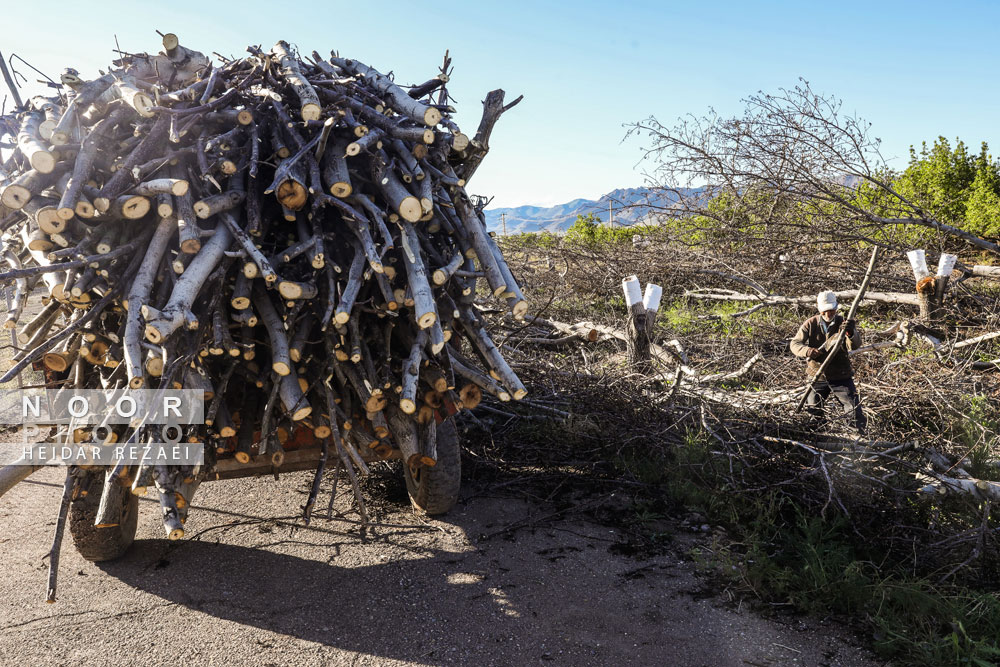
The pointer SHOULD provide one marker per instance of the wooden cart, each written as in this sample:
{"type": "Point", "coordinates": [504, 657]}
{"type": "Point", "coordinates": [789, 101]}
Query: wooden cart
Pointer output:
{"type": "Point", "coordinates": [432, 490]}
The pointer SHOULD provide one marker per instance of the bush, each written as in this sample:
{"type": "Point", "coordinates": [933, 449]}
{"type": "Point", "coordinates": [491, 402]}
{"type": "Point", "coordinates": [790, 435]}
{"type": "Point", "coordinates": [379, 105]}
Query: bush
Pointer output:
{"type": "Point", "coordinates": [530, 241]}
{"type": "Point", "coordinates": [590, 230]}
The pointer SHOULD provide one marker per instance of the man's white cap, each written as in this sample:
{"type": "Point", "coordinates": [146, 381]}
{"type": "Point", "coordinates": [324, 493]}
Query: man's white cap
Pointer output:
{"type": "Point", "coordinates": [826, 301]}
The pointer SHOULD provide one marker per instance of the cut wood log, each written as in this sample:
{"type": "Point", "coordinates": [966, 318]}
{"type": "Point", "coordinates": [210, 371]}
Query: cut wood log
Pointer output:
{"type": "Point", "coordinates": [483, 251]}
{"type": "Point", "coordinates": [403, 203]}
{"type": "Point", "coordinates": [293, 399]}
{"type": "Point", "coordinates": [51, 111]}
{"type": "Point", "coordinates": [129, 207]}
{"type": "Point", "coordinates": [310, 107]}
{"type": "Point", "coordinates": [138, 296]}
{"type": "Point", "coordinates": [31, 146]}
{"type": "Point", "coordinates": [350, 293]}
{"type": "Point", "coordinates": [336, 175]}
{"type": "Point", "coordinates": [216, 204]}
{"type": "Point", "coordinates": [100, 135]}
{"type": "Point", "coordinates": [261, 266]}
{"type": "Point", "coordinates": [187, 226]}
{"type": "Point", "coordinates": [397, 97]}
{"type": "Point", "coordinates": [411, 375]}
{"type": "Point", "coordinates": [128, 92]}
{"type": "Point", "coordinates": [281, 362]}
{"type": "Point", "coordinates": [157, 186]}
{"type": "Point", "coordinates": [18, 192]}
{"type": "Point", "coordinates": [161, 324]}
{"type": "Point", "coordinates": [425, 310]}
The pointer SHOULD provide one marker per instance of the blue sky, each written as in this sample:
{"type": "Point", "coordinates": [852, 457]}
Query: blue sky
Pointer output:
{"type": "Point", "coordinates": [914, 69]}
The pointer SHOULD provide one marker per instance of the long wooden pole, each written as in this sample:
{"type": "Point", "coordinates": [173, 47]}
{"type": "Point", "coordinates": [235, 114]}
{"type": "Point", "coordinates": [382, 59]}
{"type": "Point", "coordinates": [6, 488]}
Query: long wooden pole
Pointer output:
{"type": "Point", "coordinates": [840, 337]}
{"type": "Point", "coordinates": [58, 537]}
{"type": "Point", "coordinates": [10, 82]}
{"type": "Point", "coordinates": [10, 476]}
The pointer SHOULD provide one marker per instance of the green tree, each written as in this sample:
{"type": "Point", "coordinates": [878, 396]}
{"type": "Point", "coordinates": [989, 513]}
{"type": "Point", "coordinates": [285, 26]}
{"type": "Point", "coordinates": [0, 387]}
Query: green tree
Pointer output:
{"type": "Point", "coordinates": [584, 229]}
{"type": "Point", "coordinates": [590, 230]}
{"type": "Point", "coordinates": [938, 180]}
{"type": "Point", "coordinates": [954, 186]}
{"type": "Point", "coordinates": [982, 212]}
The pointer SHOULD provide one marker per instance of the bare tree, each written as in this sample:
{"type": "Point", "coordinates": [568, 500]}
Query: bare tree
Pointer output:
{"type": "Point", "coordinates": [793, 168]}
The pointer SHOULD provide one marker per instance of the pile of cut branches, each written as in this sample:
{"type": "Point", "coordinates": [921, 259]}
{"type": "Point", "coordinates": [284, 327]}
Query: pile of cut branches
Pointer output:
{"type": "Point", "coordinates": [291, 236]}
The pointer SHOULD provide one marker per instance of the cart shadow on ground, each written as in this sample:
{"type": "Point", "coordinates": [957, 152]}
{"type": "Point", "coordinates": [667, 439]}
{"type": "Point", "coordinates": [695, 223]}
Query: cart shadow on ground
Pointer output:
{"type": "Point", "coordinates": [350, 608]}
{"type": "Point", "coordinates": [412, 588]}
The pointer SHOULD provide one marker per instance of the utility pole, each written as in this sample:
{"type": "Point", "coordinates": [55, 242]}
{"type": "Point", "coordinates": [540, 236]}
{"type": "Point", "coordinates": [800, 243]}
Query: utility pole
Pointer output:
{"type": "Point", "coordinates": [503, 220]}
{"type": "Point", "coordinates": [611, 216]}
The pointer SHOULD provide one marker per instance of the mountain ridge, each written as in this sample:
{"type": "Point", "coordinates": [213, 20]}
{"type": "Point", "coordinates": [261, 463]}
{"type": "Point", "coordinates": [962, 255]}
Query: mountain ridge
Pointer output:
{"type": "Point", "coordinates": [629, 206]}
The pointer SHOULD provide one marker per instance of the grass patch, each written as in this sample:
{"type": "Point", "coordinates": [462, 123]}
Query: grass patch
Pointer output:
{"type": "Point", "coordinates": [778, 551]}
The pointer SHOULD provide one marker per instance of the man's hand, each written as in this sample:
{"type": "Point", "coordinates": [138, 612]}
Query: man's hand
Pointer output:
{"type": "Point", "coordinates": [814, 354]}
{"type": "Point", "coordinates": [850, 327]}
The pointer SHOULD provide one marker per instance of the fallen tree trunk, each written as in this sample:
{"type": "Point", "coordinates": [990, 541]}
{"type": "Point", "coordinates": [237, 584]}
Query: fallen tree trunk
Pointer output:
{"type": "Point", "coordinates": [807, 300]}
{"type": "Point", "coordinates": [986, 271]}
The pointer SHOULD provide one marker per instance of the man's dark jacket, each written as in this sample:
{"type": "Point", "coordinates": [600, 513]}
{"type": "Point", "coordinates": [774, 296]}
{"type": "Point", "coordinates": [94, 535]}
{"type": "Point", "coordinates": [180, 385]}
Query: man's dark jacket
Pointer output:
{"type": "Point", "coordinates": [812, 335]}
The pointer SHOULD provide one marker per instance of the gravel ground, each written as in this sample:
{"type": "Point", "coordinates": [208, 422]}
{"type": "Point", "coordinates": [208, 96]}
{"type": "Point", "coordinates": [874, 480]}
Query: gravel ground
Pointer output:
{"type": "Point", "coordinates": [244, 588]}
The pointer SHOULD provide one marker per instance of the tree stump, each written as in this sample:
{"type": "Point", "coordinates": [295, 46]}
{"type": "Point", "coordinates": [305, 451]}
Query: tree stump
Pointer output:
{"type": "Point", "coordinates": [637, 345]}
{"type": "Point", "coordinates": [931, 288]}
{"type": "Point", "coordinates": [637, 327]}
{"type": "Point", "coordinates": [651, 302]}
{"type": "Point", "coordinates": [928, 304]}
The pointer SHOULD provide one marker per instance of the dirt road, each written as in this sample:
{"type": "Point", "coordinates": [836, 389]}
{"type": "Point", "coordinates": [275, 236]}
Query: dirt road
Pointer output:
{"type": "Point", "coordinates": [246, 589]}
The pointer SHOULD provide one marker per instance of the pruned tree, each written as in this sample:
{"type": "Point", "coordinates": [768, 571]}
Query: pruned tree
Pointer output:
{"type": "Point", "coordinates": [794, 168]}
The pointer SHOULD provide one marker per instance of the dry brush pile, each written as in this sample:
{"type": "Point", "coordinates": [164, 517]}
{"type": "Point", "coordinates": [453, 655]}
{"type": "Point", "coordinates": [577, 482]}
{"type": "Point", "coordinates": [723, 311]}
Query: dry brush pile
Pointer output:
{"type": "Point", "coordinates": [722, 369]}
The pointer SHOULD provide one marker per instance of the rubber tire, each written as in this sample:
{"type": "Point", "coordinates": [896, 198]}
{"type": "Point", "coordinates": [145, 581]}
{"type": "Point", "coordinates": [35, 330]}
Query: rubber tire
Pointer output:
{"type": "Point", "coordinates": [101, 544]}
{"type": "Point", "coordinates": [435, 490]}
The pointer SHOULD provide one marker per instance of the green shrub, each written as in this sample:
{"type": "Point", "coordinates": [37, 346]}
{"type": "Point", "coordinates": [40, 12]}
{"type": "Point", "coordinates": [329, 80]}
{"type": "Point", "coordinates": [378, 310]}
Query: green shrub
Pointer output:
{"type": "Point", "coordinates": [590, 230]}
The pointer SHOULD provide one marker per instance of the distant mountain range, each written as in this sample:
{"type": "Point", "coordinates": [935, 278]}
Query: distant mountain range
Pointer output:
{"type": "Point", "coordinates": [629, 206]}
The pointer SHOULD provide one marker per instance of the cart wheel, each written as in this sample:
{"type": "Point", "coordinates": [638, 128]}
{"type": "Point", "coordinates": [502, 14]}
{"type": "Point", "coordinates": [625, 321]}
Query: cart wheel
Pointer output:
{"type": "Point", "coordinates": [435, 490]}
{"type": "Point", "coordinates": [99, 544]}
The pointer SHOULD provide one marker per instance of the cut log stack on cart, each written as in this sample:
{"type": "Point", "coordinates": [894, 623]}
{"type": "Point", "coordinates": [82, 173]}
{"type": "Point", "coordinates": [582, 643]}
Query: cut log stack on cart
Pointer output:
{"type": "Point", "coordinates": [290, 235]}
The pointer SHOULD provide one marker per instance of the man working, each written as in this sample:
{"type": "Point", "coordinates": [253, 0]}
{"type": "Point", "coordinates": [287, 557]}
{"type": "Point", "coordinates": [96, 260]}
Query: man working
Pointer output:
{"type": "Point", "coordinates": [813, 342]}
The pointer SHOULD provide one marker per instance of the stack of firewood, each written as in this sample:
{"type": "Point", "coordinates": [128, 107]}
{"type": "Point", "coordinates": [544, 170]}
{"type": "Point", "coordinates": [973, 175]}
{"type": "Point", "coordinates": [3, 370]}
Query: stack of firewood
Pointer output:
{"type": "Point", "coordinates": [291, 235]}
